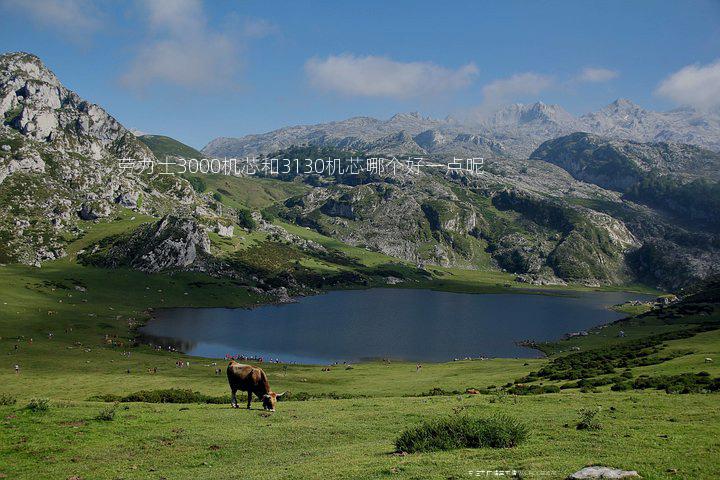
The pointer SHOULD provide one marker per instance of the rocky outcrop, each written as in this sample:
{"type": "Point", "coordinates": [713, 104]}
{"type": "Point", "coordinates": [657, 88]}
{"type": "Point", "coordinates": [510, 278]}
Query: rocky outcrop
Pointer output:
{"type": "Point", "coordinates": [620, 165]}
{"type": "Point", "coordinates": [60, 164]}
{"type": "Point", "coordinates": [173, 243]}
{"type": "Point", "coordinates": [599, 472]}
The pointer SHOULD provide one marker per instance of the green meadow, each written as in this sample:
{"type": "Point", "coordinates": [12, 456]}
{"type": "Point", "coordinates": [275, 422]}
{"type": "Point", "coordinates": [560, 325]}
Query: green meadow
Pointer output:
{"type": "Point", "coordinates": [340, 423]}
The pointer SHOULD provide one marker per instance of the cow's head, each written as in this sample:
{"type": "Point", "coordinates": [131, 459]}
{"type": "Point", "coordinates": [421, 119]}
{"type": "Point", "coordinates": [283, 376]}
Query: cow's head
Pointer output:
{"type": "Point", "coordinates": [269, 400]}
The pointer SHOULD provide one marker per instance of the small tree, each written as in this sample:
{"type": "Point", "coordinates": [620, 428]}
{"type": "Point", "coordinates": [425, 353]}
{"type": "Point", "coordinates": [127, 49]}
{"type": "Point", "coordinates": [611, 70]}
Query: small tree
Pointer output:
{"type": "Point", "coordinates": [245, 219]}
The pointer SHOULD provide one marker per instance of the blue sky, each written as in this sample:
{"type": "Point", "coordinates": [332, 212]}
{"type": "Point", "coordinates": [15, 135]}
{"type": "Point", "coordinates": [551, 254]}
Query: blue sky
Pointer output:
{"type": "Point", "coordinates": [195, 70]}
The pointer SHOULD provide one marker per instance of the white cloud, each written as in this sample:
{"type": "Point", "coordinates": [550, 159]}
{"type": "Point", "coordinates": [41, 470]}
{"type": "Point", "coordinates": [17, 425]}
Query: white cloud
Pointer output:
{"type": "Point", "coordinates": [591, 74]}
{"type": "Point", "coordinates": [259, 28]}
{"type": "Point", "coordinates": [695, 85]}
{"type": "Point", "coordinates": [74, 19]}
{"type": "Point", "coordinates": [182, 50]}
{"type": "Point", "coordinates": [521, 84]}
{"type": "Point", "coordinates": [372, 76]}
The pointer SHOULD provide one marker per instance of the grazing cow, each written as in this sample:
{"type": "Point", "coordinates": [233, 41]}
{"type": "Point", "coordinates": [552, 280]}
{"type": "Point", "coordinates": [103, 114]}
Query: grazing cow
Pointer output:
{"type": "Point", "coordinates": [251, 380]}
{"type": "Point", "coordinates": [708, 360]}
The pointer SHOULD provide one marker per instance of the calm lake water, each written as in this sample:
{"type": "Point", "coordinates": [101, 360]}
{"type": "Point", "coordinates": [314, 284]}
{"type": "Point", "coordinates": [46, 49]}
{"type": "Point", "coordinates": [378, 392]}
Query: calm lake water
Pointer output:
{"type": "Point", "coordinates": [415, 325]}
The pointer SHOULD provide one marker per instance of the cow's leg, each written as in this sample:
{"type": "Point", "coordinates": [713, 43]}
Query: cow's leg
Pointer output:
{"type": "Point", "coordinates": [233, 401]}
{"type": "Point", "coordinates": [249, 399]}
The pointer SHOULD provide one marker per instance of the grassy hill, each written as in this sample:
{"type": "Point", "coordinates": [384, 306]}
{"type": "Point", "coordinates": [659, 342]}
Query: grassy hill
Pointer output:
{"type": "Point", "coordinates": [163, 146]}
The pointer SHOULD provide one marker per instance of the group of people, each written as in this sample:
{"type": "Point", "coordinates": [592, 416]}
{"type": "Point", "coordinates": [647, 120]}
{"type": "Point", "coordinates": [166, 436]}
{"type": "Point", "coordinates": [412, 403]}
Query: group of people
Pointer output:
{"type": "Point", "coordinates": [252, 358]}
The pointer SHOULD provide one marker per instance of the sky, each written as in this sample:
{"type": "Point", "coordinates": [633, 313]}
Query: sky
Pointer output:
{"type": "Point", "coordinates": [197, 70]}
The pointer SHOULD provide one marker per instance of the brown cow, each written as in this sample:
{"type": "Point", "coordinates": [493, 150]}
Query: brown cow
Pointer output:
{"type": "Point", "coordinates": [251, 380]}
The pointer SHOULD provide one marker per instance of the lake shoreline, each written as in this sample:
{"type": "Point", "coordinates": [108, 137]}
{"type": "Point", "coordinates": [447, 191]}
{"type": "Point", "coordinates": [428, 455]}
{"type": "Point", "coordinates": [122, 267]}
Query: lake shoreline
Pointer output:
{"type": "Point", "coordinates": [550, 326]}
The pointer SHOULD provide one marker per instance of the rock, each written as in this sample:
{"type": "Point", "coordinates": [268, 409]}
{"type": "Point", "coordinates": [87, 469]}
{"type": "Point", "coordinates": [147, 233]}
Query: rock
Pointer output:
{"type": "Point", "coordinates": [225, 230]}
{"type": "Point", "coordinates": [30, 164]}
{"type": "Point", "coordinates": [603, 472]}
{"type": "Point", "coordinates": [129, 200]}
{"type": "Point", "coordinates": [93, 212]}
{"type": "Point", "coordinates": [173, 243]}
{"type": "Point", "coordinates": [6, 148]}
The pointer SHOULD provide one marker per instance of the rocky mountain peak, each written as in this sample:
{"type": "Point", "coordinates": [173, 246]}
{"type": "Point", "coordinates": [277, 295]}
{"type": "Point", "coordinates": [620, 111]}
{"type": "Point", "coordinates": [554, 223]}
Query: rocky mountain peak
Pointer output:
{"type": "Point", "coordinates": [519, 114]}
{"type": "Point", "coordinates": [34, 102]}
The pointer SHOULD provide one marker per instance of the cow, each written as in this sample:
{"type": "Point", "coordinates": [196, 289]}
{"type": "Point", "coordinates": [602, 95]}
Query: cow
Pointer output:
{"type": "Point", "coordinates": [251, 380]}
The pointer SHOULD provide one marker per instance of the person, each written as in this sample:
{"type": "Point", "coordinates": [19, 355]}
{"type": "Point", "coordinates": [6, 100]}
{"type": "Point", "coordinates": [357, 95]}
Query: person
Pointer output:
{"type": "Point", "coordinates": [17, 368]}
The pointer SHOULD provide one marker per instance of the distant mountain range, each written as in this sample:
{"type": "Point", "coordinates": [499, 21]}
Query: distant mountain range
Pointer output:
{"type": "Point", "coordinates": [581, 208]}
{"type": "Point", "coordinates": [512, 131]}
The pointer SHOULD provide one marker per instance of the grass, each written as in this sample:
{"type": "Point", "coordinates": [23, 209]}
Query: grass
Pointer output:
{"type": "Point", "coordinates": [349, 425]}
{"type": "Point", "coordinates": [355, 439]}
{"type": "Point", "coordinates": [462, 431]}
{"type": "Point", "coordinates": [254, 193]}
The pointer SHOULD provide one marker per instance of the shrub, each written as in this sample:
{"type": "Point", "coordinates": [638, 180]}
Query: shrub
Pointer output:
{"type": "Point", "coordinates": [197, 184]}
{"type": "Point", "coordinates": [588, 419]}
{"type": "Point", "coordinates": [533, 389]}
{"type": "Point", "coordinates": [172, 395]}
{"type": "Point", "coordinates": [245, 219]}
{"type": "Point", "coordinates": [462, 431]}
{"type": "Point", "coordinates": [38, 405]}
{"type": "Point", "coordinates": [621, 387]}
{"type": "Point", "coordinates": [107, 414]}
{"type": "Point", "coordinates": [682, 383]}
{"type": "Point", "coordinates": [7, 399]}
{"type": "Point", "coordinates": [268, 216]}
{"type": "Point", "coordinates": [439, 392]}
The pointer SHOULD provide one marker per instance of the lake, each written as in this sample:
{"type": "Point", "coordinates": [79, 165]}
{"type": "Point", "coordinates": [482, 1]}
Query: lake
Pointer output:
{"type": "Point", "coordinates": [414, 325]}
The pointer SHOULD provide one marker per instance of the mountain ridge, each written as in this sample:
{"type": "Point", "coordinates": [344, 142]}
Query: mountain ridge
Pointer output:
{"type": "Point", "coordinates": [516, 130]}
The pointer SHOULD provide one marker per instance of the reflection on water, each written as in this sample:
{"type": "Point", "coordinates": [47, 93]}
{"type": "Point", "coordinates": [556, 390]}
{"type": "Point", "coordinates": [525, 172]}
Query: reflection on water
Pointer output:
{"type": "Point", "coordinates": [417, 325]}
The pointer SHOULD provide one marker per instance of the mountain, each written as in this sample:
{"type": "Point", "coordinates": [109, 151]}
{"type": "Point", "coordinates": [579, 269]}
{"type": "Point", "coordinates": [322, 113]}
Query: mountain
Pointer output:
{"type": "Point", "coordinates": [513, 131]}
{"type": "Point", "coordinates": [623, 119]}
{"type": "Point", "coordinates": [60, 165]}
{"type": "Point", "coordinates": [674, 177]}
{"type": "Point", "coordinates": [569, 214]}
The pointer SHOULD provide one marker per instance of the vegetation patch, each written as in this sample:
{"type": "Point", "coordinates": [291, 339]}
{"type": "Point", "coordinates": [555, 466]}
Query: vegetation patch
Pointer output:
{"type": "Point", "coordinates": [588, 419]}
{"type": "Point", "coordinates": [107, 414]}
{"type": "Point", "coordinates": [461, 431]}
{"type": "Point", "coordinates": [603, 361]}
{"type": "Point", "coordinates": [683, 383]}
{"type": "Point", "coordinates": [38, 405]}
{"type": "Point", "coordinates": [171, 395]}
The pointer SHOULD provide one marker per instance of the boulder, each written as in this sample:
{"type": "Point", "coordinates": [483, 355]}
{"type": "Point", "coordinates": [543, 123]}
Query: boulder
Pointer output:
{"type": "Point", "coordinates": [129, 200]}
{"type": "Point", "coordinates": [225, 230]}
{"type": "Point", "coordinates": [603, 472]}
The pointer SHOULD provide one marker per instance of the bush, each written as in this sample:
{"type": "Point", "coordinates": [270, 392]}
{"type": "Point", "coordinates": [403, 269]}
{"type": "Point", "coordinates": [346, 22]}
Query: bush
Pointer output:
{"type": "Point", "coordinates": [7, 399]}
{"type": "Point", "coordinates": [439, 392]}
{"type": "Point", "coordinates": [462, 432]}
{"type": "Point", "coordinates": [197, 184]}
{"type": "Point", "coordinates": [588, 419]}
{"type": "Point", "coordinates": [533, 389]}
{"type": "Point", "coordinates": [172, 395]}
{"type": "Point", "coordinates": [621, 387]}
{"type": "Point", "coordinates": [38, 405]}
{"type": "Point", "coordinates": [682, 383]}
{"type": "Point", "coordinates": [245, 219]}
{"type": "Point", "coordinates": [268, 216]}
{"type": "Point", "coordinates": [107, 414]}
